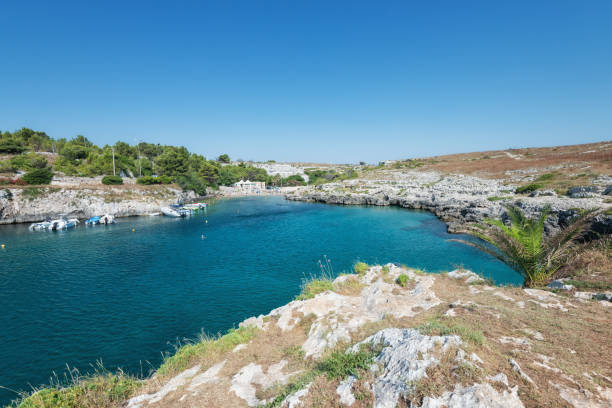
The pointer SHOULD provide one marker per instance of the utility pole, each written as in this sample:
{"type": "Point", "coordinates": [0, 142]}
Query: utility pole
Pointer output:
{"type": "Point", "coordinates": [113, 150]}
{"type": "Point", "coordinates": [139, 162]}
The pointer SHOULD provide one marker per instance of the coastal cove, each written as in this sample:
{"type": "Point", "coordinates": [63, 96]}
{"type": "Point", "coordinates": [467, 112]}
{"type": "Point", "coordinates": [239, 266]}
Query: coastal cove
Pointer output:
{"type": "Point", "coordinates": [126, 293]}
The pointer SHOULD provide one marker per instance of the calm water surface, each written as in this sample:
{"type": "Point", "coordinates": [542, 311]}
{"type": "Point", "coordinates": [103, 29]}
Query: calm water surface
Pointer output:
{"type": "Point", "coordinates": [123, 297]}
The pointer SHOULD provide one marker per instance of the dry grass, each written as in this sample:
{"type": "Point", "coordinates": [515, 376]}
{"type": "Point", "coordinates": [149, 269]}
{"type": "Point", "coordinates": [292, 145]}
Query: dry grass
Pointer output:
{"type": "Point", "coordinates": [100, 390]}
{"type": "Point", "coordinates": [591, 268]}
{"type": "Point", "coordinates": [589, 159]}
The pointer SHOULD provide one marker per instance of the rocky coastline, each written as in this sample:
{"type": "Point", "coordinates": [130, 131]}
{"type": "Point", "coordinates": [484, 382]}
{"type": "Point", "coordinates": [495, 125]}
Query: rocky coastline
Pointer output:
{"type": "Point", "coordinates": [457, 200]}
{"type": "Point", "coordinates": [33, 204]}
{"type": "Point", "coordinates": [437, 340]}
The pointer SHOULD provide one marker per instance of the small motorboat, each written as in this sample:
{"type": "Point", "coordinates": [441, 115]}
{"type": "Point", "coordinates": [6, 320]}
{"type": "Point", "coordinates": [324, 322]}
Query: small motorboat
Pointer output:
{"type": "Point", "coordinates": [40, 226]}
{"type": "Point", "coordinates": [62, 224]}
{"type": "Point", "coordinates": [107, 219]}
{"type": "Point", "coordinates": [93, 221]}
{"type": "Point", "coordinates": [171, 212]}
{"type": "Point", "coordinates": [195, 206]}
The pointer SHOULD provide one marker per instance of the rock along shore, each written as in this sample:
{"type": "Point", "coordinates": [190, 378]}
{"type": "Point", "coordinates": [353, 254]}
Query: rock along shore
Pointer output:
{"type": "Point", "coordinates": [32, 204]}
{"type": "Point", "coordinates": [455, 199]}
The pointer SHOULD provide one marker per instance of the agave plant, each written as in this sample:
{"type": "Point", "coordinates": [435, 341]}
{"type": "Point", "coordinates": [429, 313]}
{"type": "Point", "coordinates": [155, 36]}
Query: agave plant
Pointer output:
{"type": "Point", "coordinates": [523, 246]}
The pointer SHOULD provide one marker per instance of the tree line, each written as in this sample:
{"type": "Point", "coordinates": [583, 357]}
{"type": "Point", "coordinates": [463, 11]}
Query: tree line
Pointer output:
{"type": "Point", "coordinates": [154, 163]}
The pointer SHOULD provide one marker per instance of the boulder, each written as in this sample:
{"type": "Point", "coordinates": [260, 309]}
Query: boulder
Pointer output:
{"type": "Point", "coordinates": [543, 193]}
{"type": "Point", "coordinates": [583, 192]}
{"type": "Point", "coordinates": [560, 284]}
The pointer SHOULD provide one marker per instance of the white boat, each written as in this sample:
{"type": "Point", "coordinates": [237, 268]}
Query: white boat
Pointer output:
{"type": "Point", "coordinates": [62, 224]}
{"type": "Point", "coordinates": [40, 226]}
{"type": "Point", "coordinates": [195, 206]}
{"type": "Point", "coordinates": [171, 212]}
{"type": "Point", "coordinates": [107, 219]}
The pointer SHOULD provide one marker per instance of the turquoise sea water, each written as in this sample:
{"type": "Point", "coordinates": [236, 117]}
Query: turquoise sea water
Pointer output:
{"type": "Point", "coordinates": [123, 297]}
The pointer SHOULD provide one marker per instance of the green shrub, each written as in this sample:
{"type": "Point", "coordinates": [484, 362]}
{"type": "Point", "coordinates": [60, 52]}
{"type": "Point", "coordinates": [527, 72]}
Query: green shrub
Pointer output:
{"type": "Point", "coordinates": [6, 166]}
{"type": "Point", "coordinates": [112, 180]}
{"type": "Point", "coordinates": [192, 182]}
{"type": "Point", "coordinates": [545, 177]}
{"type": "Point", "coordinates": [528, 188]}
{"type": "Point", "coordinates": [498, 198]}
{"type": "Point", "coordinates": [38, 176]}
{"type": "Point", "coordinates": [315, 286]}
{"type": "Point", "coordinates": [10, 146]}
{"type": "Point", "coordinates": [29, 161]}
{"type": "Point", "coordinates": [360, 268]}
{"type": "Point", "coordinates": [149, 180]}
{"type": "Point", "coordinates": [403, 280]}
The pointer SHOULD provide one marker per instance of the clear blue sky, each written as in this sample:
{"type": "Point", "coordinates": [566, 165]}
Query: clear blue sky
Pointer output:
{"type": "Point", "coordinates": [327, 81]}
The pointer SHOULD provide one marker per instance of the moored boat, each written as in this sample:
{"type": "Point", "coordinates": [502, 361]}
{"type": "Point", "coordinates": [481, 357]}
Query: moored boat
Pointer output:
{"type": "Point", "coordinates": [171, 212]}
{"type": "Point", "coordinates": [107, 219]}
{"type": "Point", "coordinates": [93, 221]}
{"type": "Point", "coordinates": [62, 224]}
{"type": "Point", "coordinates": [40, 226]}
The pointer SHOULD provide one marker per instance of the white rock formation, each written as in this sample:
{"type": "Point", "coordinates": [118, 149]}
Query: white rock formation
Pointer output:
{"type": "Point", "coordinates": [406, 355]}
{"type": "Point", "coordinates": [245, 381]}
{"type": "Point", "coordinates": [172, 385]}
{"type": "Point", "coordinates": [475, 396]}
{"type": "Point", "coordinates": [336, 316]}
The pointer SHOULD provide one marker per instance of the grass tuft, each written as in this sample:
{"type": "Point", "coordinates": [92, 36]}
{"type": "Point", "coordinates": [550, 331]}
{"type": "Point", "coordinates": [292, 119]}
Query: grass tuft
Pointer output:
{"type": "Point", "coordinates": [439, 328]}
{"type": "Point", "coordinates": [341, 365]}
{"type": "Point", "coordinates": [361, 267]}
{"type": "Point", "coordinates": [312, 287]}
{"type": "Point", "coordinates": [206, 347]}
{"type": "Point", "coordinates": [499, 198]}
{"type": "Point", "coordinates": [101, 390]}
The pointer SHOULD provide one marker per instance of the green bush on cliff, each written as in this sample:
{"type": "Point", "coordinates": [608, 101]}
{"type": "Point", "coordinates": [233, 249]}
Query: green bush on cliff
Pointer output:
{"type": "Point", "coordinates": [528, 188]}
{"type": "Point", "coordinates": [403, 280]}
{"type": "Point", "coordinates": [149, 180]}
{"type": "Point", "coordinates": [29, 161]}
{"type": "Point", "coordinates": [360, 268]}
{"type": "Point", "coordinates": [38, 176]}
{"type": "Point", "coordinates": [112, 180]}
